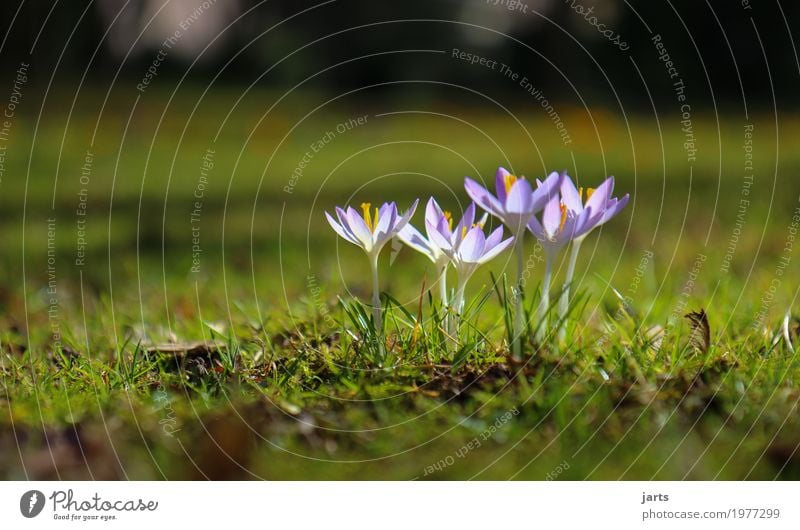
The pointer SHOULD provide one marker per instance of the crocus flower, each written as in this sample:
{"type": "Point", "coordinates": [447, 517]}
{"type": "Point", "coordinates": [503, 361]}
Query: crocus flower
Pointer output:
{"type": "Point", "coordinates": [467, 247]}
{"type": "Point", "coordinates": [599, 200]}
{"type": "Point", "coordinates": [515, 200]}
{"type": "Point", "coordinates": [603, 207]}
{"type": "Point", "coordinates": [434, 217]}
{"type": "Point", "coordinates": [558, 227]}
{"type": "Point", "coordinates": [414, 239]}
{"type": "Point", "coordinates": [371, 232]}
{"type": "Point", "coordinates": [515, 203]}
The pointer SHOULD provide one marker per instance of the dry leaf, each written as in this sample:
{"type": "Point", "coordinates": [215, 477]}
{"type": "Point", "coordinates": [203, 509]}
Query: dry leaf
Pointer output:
{"type": "Point", "coordinates": [700, 336]}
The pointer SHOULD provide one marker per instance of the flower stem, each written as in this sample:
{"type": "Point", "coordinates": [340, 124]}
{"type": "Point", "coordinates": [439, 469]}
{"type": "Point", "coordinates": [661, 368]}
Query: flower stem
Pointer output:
{"type": "Point", "coordinates": [458, 303]}
{"type": "Point", "coordinates": [376, 296]}
{"type": "Point", "coordinates": [545, 301]}
{"type": "Point", "coordinates": [443, 285]}
{"type": "Point", "coordinates": [443, 295]}
{"type": "Point", "coordinates": [519, 318]}
{"type": "Point", "coordinates": [458, 309]}
{"type": "Point", "coordinates": [564, 303]}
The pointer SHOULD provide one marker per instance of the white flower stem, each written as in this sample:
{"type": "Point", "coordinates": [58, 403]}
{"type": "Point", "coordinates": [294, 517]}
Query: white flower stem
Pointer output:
{"type": "Point", "coordinates": [443, 285]}
{"type": "Point", "coordinates": [443, 295]}
{"type": "Point", "coordinates": [564, 302]}
{"type": "Point", "coordinates": [519, 318]}
{"type": "Point", "coordinates": [458, 303]}
{"type": "Point", "coordinates": [376, 295]}
{"type": "Point", "coordinates": [458, 309]}
{"type": "Point", "coordinates": [545, 301]}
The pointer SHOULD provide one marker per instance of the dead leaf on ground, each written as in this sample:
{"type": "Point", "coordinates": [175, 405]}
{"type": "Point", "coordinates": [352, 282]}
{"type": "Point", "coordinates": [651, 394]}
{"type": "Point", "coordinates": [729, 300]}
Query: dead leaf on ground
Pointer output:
{"type": "Point", "coordinates": [700, 336]}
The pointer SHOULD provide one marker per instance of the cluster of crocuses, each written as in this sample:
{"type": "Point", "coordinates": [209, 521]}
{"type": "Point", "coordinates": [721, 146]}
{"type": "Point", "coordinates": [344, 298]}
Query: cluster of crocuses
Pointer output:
{"type": "Point", "coordinates": [555, 211]}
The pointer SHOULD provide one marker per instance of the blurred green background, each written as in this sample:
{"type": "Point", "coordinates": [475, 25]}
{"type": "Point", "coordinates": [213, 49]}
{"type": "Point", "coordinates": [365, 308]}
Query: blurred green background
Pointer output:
{"type": "Point", "coordinates": [259, 242]}
{"type": "Point", "coordinates": [259, 84]}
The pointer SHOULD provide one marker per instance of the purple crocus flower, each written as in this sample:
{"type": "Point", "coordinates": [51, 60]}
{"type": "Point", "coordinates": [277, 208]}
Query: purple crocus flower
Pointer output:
{"type": "Point", "coordinates": [515, 203]}
{"type": "Point", "coordinates": [515, 200]}
{"type": "Point", "coordinates": [414, 238]}
{"type": "Point", "coordinates": [371, 233]}
{"type": "Point", "coordinates": [599, 200]}
{"type": "Point", "coordinates": [466, 246]}
{"type": "Point", "coordinates": [368, 231]}
{"type": "Point", "coordinates": [603, 208]}
{"type": "Point", "coordinates": [559, 225]}
{"type": "Point", "coordinates": [434, 217]}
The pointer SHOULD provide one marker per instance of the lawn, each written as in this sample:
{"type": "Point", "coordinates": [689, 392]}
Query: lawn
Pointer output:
{"type": "Point", "coordinates": [173, 301]}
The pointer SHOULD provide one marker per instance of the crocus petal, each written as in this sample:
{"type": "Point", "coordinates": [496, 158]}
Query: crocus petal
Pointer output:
{"type": "Point", "coordinates": [443, 227]}
{"type": "Point", "coordinates": [340, 230]}
{"type": "Point", "coordinates": [387, 216]}
{"type": "Point", "coordinates": [414, 239]}
{"type": "Point", "coordinates": [568, 230]}
{"type": "Point", "coordinates": [467, 220]}
{"type": "Point", "coordinates": [345, 224]}
{"type": "Point", "coordinates": [433, 212]}
{"type": "Point", "coordinates": [597, 202]}
{"type": "Point", "coordinates": [551, 218]}
{"type": "Point", "coordinates": [494, 251]}
{"type": "Point", "coordinates": [494, 238]}
{"type": "Point", "coordinates": [585, 222]}
{"type": "Point", "coordinates": [471, 248]}
{"type": "Point", "coordinates": [536, 228]}
{"type": "Point", "coordinates": [342, 215]}
{"type": "Point", "coordinates": [614, 208]}
{"type": "Point", "coordinates": [570, 195]}
{"type": "Point", "coordinates": [403, 221]}
{"type": "Point", "coordinates": [500, 183]}
{"type": "Point", "coordinates": [359, 228]}
{"type": "Point", "coordinates": [485, 200]}
{"type": "Point", "coordinates": [520, 198]}
{"type": "Point", "coordinates": [436, 237]}
{"type": "Point", "coordinates": [549, 187]}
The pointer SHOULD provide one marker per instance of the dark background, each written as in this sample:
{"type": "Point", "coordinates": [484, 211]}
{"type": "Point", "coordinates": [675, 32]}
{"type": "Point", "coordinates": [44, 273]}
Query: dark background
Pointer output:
{"type": "Point", "coordinates": [723, 50]}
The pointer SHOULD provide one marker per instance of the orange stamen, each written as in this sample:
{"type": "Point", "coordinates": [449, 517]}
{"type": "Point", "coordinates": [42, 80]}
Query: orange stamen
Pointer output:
{"type": "Point", "coordinates": [509, 181]}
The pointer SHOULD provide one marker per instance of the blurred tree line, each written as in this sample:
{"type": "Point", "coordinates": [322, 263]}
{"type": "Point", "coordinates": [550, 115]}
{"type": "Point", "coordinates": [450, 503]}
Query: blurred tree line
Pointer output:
{"type": "Point", "coordinates": [722, 48]}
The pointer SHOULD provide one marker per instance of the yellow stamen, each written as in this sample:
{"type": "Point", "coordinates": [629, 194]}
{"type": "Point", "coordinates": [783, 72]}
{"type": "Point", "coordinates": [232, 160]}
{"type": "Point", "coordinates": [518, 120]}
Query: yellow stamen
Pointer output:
{"type": "Point", "coordinates": [589, 193]}
{"type": "Point", "coordinates": [365, 206]}
{"type": "Point", "coordinates": [463, 231]}
{"type": "Point", "coordinates": [580, 193]}
{"type": "Point", "coordinates": [509, 181]}
{"type": "Point", "coordinates": [563, 217]}
{"type": "Point", "coordinates": [449, 217]}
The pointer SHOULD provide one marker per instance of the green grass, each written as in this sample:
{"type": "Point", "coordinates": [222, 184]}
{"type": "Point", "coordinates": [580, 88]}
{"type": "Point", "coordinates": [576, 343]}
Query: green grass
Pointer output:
{"type": "Point", "coordinates": [279, 381]}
